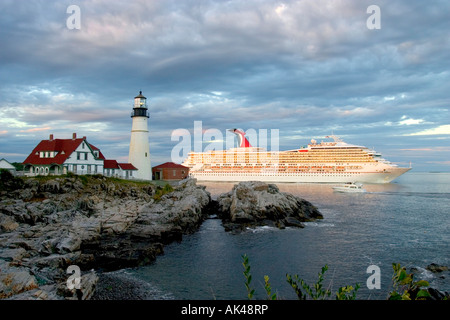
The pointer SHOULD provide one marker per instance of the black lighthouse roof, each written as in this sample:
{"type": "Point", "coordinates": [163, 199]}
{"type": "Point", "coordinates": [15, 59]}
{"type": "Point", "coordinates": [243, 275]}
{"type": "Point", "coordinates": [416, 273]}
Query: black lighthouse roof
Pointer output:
{"type": "Point", "coordinates": [140, 95]}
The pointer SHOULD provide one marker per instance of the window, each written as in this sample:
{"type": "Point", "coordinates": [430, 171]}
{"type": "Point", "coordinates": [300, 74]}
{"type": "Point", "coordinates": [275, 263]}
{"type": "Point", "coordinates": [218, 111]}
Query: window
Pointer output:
{"type": "Point", "coordinates": [78, 155]}
{"type": "Point", "coordinates": [174, 173]}
{"type": "Point", "coordinates": [85, 156]}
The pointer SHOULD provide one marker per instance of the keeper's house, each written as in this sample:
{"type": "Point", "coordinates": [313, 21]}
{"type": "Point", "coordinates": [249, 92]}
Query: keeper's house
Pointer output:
{"type": "Point", "coordinates": [76, 155]}
{"type": "Point", "coordinates": [170, 171]}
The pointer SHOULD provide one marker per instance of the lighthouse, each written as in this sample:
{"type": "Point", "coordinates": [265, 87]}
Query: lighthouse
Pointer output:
{"type": "Point", "coordinates": [139, 154]}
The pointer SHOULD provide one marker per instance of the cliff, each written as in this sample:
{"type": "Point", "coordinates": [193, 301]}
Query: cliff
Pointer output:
{"type": "Point", "coordinates": [94, 222]}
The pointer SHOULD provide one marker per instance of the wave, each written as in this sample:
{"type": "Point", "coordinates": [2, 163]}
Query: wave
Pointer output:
{"type": "Point", "coordinates": [423, 273]}
{"type": "Point", "coordinates": [439, 195]}
{"type": "Point", "coordinates": [261, 229]}
{"type": "Point", "coordinates": [319, 224]}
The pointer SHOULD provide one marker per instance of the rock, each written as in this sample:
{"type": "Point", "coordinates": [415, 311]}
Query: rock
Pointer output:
{"type": "Point", "coordinates": [436, 268]}
{"type": "Point", "coordinates": [88, 283]}
{"type": "Point", "coordinates": [12, 254]}
{"type": "Point", "coordinates": [7, 223]}
{"type": "Point", "coordinates": [51, 186]}
{"type": "Point", "coordinates": [253, 203]}
{"type": "Point", "coordinates": [63, 221]}
{"type": "Point", "coordinates": [69, 244]}
{"type": "Point", "coordinates": [15, 280]}
{"type": "Point", "coordinates": [48, 246]}
{"type": "Point", "coordinates": [46, 292]}
{"type": "Point", "coordinates": [438, 295]}
{"type": "Point", "coordinates": [144, 229]}
{"type": "Point", "coordinates": [293, 222]}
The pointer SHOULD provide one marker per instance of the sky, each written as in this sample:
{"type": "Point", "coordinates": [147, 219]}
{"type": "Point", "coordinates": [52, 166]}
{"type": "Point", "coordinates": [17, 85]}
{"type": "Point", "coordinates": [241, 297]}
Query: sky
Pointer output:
{"type": "Point", "coordinates": [307, 68]}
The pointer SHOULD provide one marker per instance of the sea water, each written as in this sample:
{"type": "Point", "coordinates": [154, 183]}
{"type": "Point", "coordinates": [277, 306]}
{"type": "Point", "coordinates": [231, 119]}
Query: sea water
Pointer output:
{"type": "Point", "coordinates": [406, 222]}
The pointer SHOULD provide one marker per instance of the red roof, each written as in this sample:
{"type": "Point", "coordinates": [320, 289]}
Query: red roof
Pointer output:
{"type": "Point", "coordinates": [63, 147]}
{"type": "Point", "coordinates": [113, 164]}
{"type": "Point", "coordinates": [127, 166]}
{"type": "Point", "coordinates": [170, 165]}
{"type": "Point", "coordinates": [110, 164]}
{"type": "Point", "coordinates": [100, 154]}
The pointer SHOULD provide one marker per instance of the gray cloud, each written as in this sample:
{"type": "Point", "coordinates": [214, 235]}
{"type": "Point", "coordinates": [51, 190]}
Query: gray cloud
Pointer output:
{"type": "Point", "coordinates": [304, 67]}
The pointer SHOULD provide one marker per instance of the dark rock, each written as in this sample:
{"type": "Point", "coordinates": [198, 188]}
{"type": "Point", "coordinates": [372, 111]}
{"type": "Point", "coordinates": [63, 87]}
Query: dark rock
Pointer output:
{"type": "Point", "coordinates": [433, 267]}
{"type": "Point", "coordinates": [436, 294]}
{"type": "Point", "coordinates": [254, 203]}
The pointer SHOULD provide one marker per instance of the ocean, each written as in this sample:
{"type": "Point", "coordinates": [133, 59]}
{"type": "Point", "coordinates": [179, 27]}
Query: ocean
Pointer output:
{"type": "Point", "coordinates": [406, 221]}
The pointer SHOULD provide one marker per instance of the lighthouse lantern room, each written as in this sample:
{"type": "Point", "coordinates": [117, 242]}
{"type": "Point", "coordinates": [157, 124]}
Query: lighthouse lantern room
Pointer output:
{"type": "Point", "coordinates": [140, 106]}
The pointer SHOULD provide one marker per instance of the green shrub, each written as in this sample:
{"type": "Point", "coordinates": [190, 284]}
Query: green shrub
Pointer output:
{"type": "Point", "coordinates": [405, 288]}
{"type": "Point", "coordinates": [301, 288]}
{"type": "Point", "coordinates": [8, 182]}
{"type": "Point", "coordinates": [162, 191]}
{"type": "Point", "coordinates": [317, 294]}
{"type": "Point", "coordinates": [248, 277]}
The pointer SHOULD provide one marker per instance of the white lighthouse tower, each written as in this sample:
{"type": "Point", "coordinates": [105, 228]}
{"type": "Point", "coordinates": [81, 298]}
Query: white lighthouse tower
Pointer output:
{"type": "Point", "coordinates": [139, 155]}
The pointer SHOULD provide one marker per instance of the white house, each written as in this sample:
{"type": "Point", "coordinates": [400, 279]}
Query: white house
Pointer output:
{"type": "Point", "coordinates": [4, 164]}
{"type": "Point", "coordinates": [59, 156]}
{"type": "Point", "coordinates": [112, 168]}
{"type": "Point", "coordinates": [76, 155]}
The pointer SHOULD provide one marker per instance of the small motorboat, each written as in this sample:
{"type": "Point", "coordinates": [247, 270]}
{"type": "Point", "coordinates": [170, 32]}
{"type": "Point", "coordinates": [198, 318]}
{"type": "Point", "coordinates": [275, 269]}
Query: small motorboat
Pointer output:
{"type": "Point", "coordinates": [349, 187]}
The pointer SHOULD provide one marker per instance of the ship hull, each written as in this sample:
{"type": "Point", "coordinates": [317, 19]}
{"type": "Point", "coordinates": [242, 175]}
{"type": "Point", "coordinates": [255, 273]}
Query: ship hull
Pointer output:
{"type": "Point", "coordinates": [304, 177]}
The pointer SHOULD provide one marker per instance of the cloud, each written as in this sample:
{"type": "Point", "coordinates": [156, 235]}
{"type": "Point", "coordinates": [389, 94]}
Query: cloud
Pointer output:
{"type": "Point", "coordinates": [441, 130]}
{"type": "Point", "coordinates": [409, 122]}
{"type": "Point", "coordinates": [292, 65]}
{"type": "Point", "coordinates": [36, 129]}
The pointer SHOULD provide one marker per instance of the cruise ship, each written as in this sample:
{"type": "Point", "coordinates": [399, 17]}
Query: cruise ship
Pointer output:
{"type": "Point", "coordinates": [326, 162]}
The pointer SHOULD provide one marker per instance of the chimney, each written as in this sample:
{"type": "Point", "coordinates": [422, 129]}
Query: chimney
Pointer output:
{"type": "Point", "coordinates": [74, 136]}
{"type": "Point", "coordinates": [51, 137]}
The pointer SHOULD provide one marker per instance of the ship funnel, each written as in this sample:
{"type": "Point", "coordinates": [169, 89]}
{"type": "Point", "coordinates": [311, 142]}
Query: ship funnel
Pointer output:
{"type": "Point", "coordinates": [243, 142]}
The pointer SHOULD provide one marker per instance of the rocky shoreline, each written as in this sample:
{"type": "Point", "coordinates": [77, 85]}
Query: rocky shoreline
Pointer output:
{"type": "Point", "coordinates": [101, 224]}
{"type": "Point", "coordinates": [117, 285]}
{"type": "Point", "coordinates": [104, 225]}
